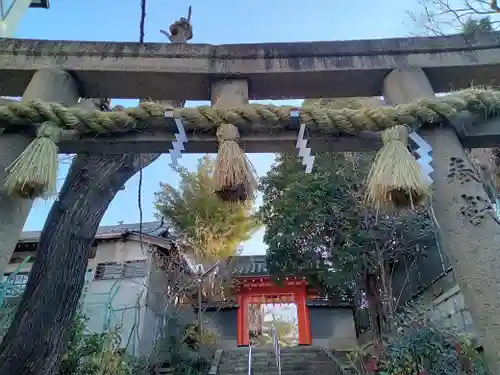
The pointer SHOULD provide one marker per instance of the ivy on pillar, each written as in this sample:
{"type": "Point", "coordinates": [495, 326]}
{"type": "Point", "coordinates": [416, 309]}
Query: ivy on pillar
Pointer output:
{"type": "Point", "coordinates": [48, 85]}
{"type": "Point", "coordinates": [469, 229]}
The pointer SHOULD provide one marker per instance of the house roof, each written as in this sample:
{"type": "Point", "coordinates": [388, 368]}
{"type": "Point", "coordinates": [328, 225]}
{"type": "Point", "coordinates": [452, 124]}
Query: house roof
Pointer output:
{"type": "Point", "coordinates": [153, 232]}
{"type": "Point", "coordinates": [250, 265]}
{"type": "Point", "coordinates": [152, 228]}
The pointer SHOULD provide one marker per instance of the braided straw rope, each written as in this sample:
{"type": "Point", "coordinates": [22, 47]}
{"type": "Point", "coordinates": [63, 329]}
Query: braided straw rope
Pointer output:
{"type": "Point", "coordinates": [395, 178]}
{"type": "Point", "coordinates": [28, 177]}
{"type": "Point", "coordinates": [34, 173]}
{"type": "Point", "coordinates": [234, 174]}
{"type": "Point", "coordinates": [327, 121]}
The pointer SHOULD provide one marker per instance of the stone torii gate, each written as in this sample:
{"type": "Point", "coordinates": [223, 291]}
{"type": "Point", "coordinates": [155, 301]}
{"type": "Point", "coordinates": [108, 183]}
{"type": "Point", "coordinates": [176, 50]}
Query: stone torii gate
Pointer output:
{"type": "Point", "coordinates": [402, 70]}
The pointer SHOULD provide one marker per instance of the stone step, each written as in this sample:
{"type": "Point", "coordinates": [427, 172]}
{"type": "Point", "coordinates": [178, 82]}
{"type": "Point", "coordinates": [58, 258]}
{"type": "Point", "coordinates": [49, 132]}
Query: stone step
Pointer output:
{"type": "Point", "coordinates": [298, 367]}
{"type": "Point", "coordinates": [268, 349]}
{"type": "Point", "coordinates": [269, 354]}
{"type": "Point", "coordinates": [272, 362]}
{"type": "Point", "coordinates": [285, 349]}
{"type": "Point", "coordinates": [273, 359]}
{"type": "Point", "coordinates": [332, 371]}
{"type": "Point", "coordinates": [298, 358]}
{"type": "Point", "coordinates": [284, 364]}
{"type": "Point", "coordinates": [294, 361]}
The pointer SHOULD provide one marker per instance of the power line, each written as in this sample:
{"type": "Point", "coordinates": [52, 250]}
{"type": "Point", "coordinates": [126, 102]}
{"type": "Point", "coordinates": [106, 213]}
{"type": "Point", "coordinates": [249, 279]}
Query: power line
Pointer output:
{"type": "Point", "coordinates": [143, 21]}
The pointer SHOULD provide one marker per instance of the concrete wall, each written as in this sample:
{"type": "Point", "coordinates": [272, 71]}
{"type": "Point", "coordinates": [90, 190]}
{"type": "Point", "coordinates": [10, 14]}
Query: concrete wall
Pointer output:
{"type": "Point", "coordinates": [450, 310]}
{"type": "Point", "coordinates": [123, 311]}
{"type": "Point", "coordinates": [446, 304]}
{"type": "Point", "coordinates": [224, 322]}
{"type": "Point", "coordinates": [119, 303]}
{"type": "Point", "coordinates": [14, 266]}
{"type": "Point", "coordinates": [156, 299]}
{"type": "Point", "coordinates": [332, 327]}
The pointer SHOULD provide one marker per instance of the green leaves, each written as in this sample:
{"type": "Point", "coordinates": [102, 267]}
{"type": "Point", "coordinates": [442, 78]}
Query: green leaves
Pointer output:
{"type": "Point", "coordinates": [308, 217]}
{"type": "Point", "coordinates": [213, 228]}
{"type": "Point", "coordinates": [94, 353]}
{"type": "Point", "coordinates": [317, 225]}
{"type": "Point", "coordinates": [430, 348]}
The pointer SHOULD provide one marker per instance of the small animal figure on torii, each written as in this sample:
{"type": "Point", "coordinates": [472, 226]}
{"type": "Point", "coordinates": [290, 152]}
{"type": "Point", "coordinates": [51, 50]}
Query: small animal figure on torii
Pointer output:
{"type": "Point", "coordinates": [181, 30]}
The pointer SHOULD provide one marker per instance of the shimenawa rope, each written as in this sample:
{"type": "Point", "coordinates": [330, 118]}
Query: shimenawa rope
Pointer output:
{"type": "Point", "coordinates": [328, 121]}
{"type": "Point", "coordinates": [484, 102]}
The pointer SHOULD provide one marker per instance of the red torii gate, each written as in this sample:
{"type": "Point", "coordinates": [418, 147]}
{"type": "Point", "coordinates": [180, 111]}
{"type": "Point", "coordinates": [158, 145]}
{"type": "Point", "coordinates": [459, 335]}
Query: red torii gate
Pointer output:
{"type": "Point", "coordinates": [254, 285]}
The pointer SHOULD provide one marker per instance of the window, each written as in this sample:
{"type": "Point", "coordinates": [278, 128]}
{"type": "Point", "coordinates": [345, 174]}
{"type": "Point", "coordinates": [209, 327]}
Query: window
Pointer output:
{"type": "Point", "coordinates": [115, 270]}
{"type": "Point", "coordinates": [108, 271]}
{"type": "Point", "coordinates": [14, 284]}
{"type": "Point", "coordinates": [135, 268]}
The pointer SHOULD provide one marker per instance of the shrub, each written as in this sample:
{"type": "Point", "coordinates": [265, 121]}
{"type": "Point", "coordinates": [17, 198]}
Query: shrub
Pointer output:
{"type": "Point", "coordinates": [96, 353]}
{"type": "Point", "coordinates": [183, 347]}
{"type": "Point", "coordinates": [425, 347]}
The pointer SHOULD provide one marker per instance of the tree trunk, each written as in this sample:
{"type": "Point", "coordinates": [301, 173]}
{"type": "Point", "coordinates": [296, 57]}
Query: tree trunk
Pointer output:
{"type": "Point", "coordinates": [36, 339]}
{"type": "Point", "coordinates": [373, 299]}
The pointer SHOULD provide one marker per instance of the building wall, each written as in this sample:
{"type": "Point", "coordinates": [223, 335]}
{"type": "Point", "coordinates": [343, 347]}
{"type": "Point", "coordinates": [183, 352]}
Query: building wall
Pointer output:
{"type": "Point", "coordinates": [166, 283]}
{"type": "Point", "coordinates": [445, 304]}
{"type": "Point", "coordinates": [450, 310]}
{"type": "Point", "coordinates": [117, 303]}
{"type": "Point", "coordinates": [332, 327]}
{"type": "Point", "coordinates": [156, 299]}
{"type": "Point", "coordinates": [113, 303]}
{"type": "Point", "coordinates": [224, 322]}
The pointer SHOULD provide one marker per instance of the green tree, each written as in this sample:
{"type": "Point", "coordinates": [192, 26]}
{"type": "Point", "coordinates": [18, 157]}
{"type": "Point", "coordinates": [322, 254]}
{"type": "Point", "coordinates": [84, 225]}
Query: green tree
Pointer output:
{"type": "Point", "coordinates": [474, 26]}
{"type": "Point", "coordinates": [309, 216]}
{"type": "Point", "coordinates": [317, 226]}
{"type": "Point", "coordinates": [286, 330]}
{"type": "Point", "coordinates": [213, 228]}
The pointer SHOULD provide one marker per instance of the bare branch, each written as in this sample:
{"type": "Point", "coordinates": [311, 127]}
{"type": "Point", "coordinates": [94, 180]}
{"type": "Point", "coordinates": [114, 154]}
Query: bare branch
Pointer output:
{"type": "Point", "coordinates": [438, 17]}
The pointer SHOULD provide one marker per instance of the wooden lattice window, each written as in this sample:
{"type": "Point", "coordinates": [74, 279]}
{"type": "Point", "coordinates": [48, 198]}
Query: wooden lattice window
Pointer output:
{"type": "Point", "coordinates": [135, 268]}
{"type": "Point", "coordinates": [116, 270]}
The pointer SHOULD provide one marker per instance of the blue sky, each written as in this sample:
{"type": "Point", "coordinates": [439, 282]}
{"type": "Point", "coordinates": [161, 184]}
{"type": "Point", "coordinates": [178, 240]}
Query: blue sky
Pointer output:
{"type": "Point", "coordinates": [216, 22]}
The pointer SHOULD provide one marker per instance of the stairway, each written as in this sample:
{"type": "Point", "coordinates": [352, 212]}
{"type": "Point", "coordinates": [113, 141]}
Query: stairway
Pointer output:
{"type": "Point", "coordinates": [302, 360]}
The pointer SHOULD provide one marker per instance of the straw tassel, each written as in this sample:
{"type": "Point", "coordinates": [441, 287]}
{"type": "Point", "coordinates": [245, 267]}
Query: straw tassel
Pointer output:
{"type": "Point", "coordinates": [396, 178]}
{"type": "Point", "coordinates": [233, 173]}
{"type": "Point", "coordinates": [34, 173]}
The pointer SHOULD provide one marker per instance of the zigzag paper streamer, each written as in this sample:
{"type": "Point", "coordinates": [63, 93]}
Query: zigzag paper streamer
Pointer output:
{"type": "Point", "coordinates": [180, 139]}
{"type": "Point", "coordinates": [304, 151]}
{"type": "Point", "coordinates": [424, 153]}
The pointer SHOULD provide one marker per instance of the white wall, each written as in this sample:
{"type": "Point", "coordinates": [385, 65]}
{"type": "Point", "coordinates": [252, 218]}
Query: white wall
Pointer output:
{"type": "Point", "coordinates": [111, 303]}
{"type": "Point", "coordinates": [120, 303]}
